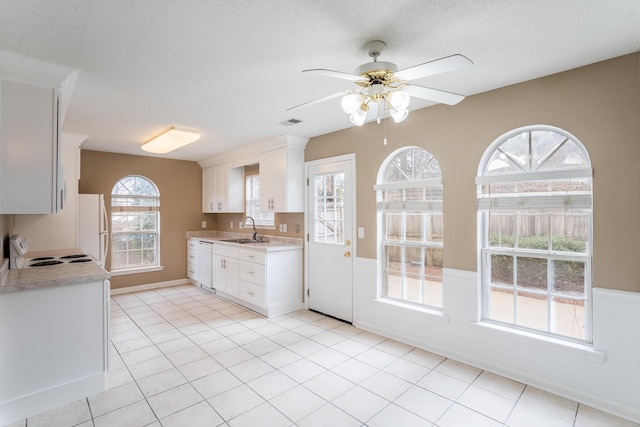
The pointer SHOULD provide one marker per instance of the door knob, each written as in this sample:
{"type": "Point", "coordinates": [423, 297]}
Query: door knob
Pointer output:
{"type": "Point", "coordinates": [347, 242]}
{"type": "Point", "coordinates": [347, 254]}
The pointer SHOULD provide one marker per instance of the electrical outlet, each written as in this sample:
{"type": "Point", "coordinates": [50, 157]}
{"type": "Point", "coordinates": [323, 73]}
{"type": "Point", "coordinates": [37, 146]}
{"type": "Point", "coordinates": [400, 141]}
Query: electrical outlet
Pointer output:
{"type": "Point", "coordinates": [284, 228]}
{"type": "Point", "coordinates": [297, 228]}
{"type": "Point", "coordinates": [280, 228]}
{"type": "Point", "coordinates": [231, 224]}
{"type": "Point", "coordinates": [204, 224]}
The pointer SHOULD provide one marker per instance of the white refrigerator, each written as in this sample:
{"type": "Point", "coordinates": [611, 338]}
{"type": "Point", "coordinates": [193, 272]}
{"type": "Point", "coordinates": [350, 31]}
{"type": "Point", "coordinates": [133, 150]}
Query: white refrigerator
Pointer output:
{"type": "Point", "coordinates": [93, 226]}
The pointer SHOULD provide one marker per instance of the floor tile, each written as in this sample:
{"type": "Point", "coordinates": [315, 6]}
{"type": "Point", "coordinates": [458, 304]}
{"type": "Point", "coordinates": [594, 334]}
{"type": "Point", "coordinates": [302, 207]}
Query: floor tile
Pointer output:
{"type": "Point", "coordinates": [424, 358]}
{"type": "Point", "coordinates": [548, 403]}
{"type": "Point", "coordinates": [350, 347]}
{"type": "Point", "coordinates": [328, 385]}
{"type": "Point", "coordinates": [461, 371]}
{"type": "Point", "coordinates": [261, 415]}
{"type": "Point", "coordinates": [187, 355]}
{"type": "Point", "coordinates": [281, 357]}
{"type": "Point", "coordinates": [360, 403]}
{"type": "Point", "coordinates": [63, 416]}
{"type": "Point", "coordinates": [115, 398]}
{"type": "Point", "coordinates": [355, 370]}
{"type": "Point", "coordinates": [174, 400]}
{"type": "Point", "coordinates": [150, 367]}
{"type": "Point", "coordinates": [590, 417]}
{"type": "Point", "coordinates": [306, 347]}
{"type": "Point", "coordinates": [141, 354]}
{"type": "Point", "coordinates": [233, 357]}
{"type": "Point", "coordinates": [297, 403]}
{"type": "Point", "coordinates": [302, 370]}
{"type": "Point", "coordinates": [199, 415]}
{"type": "Point", "coordinates": [376, 358]}
{"type": "Point", "coordinates": [394, 347]}
{"type": "Point", "coordinates": [236, 401]}
{"type": "Point", "coordinates": [524, 416]}
{"type": "Point", "coordinates": [161, 382]}
{"type": "Point", "coordinates": [135, 415]}
{"type": "Point", "coordinates": [329, 416]}
{"type": "Point", "coordinates": [250, 369]}
{"type": "Point", "coordinates": [199, 368]}
{"type": "Point", "coordinates": [386, 385]}
{"type": "Point", "coordinates": [272, 384]}
{"type": "Point", "coordinates": [444, 385]}
{"type": "Point", "coordinates": [486, 403]}
{"type": "Point", "coordinates": [393, 415]}
{"type": "Point", "coordinates": [216, 383]}
{"type": "Point", "coordinates": [499, 385]}
{"type": "Point", "coordinates": [407, 370]}
{"type": "Point", "coordinates": [423, 403]}
{"type": "Point", "coordinates": [460, 416]}
{"type": "Point", "coordinates": [176, 344]}
{"type": "Point", "coordinates": [328, 358]}
{"type": "Point", "coordinates": [262, 346]}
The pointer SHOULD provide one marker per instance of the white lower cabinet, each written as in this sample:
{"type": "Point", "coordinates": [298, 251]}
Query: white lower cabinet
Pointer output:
{"type": "Point", "coordinates": [192, 259]}
{"type": "Point", "coordinates": [269, 282]}
{"type": "Point", "coordinates": [205, 267]}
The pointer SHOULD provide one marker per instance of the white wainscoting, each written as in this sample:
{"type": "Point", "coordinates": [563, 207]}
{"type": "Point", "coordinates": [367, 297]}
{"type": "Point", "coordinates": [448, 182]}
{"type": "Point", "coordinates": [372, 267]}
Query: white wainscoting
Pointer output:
{"type": "Point", "coordinates": [605, 376]}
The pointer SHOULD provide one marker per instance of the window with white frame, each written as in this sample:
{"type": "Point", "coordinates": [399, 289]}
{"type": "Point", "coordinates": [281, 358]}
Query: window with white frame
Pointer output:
{"type": "Point", "coordinates": [410, 227]}
{"type": "Point", "coordinates": [252, 203]}
{"type": "Point", "coordinates": [535, 219]}
{"type": "Point", "coordinates": [135, 224]}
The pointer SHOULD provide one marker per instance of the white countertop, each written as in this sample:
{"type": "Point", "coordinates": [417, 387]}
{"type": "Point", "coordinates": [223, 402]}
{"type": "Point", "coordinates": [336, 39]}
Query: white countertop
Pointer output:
{"type": "Point", "coordinates": [12, 280]}
{"type": "Point", "coordinates": [274, 243]}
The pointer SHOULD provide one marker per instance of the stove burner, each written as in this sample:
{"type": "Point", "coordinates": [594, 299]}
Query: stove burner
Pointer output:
{"type": "Point", "coordinates": [73, 256]}
{"type": "Point", "coordinates": [42, 258]}
{"type": "Point", "coordinates": [44, 263]}
{"type": "Point", "coordinates": [81, 260]}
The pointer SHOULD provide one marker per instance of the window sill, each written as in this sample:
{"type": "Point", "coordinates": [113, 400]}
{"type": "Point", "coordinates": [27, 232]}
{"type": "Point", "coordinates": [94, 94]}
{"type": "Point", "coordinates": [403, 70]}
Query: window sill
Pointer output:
{"type": "Point", "coordinates": [432, 313]}
{"type": "Point", "coordinates": [555, 344]}
{"type": "Point", "coordinates": [137, 270]}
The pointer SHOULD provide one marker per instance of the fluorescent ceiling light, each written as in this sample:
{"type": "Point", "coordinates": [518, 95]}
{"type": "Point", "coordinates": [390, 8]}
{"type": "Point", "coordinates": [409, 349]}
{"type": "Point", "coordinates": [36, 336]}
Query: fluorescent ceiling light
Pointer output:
{"type": "Point", "coordinates": [170, 140]}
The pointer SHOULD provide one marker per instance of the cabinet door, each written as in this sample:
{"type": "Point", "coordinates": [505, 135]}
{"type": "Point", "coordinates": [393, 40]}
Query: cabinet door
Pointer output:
{"type": "Point", "coordinates": [29, 157]}
{"type": "Point", "coordinates": [273, 181]}
{"type": "Point", "coordinates": [222, 188]}
{"type": "Point", "coordinates": [219, 273]}
{"type": "Point", "coordinates": [208, 190]}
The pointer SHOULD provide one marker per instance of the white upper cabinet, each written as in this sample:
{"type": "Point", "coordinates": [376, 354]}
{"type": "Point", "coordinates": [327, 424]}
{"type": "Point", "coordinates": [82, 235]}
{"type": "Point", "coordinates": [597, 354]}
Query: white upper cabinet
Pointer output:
{"type": "Point", "coordinates": [222, 189]}
{"type": "Point", "coordinates": [31, 178]}
{"type": "Point", "coordinates": [281, 180]}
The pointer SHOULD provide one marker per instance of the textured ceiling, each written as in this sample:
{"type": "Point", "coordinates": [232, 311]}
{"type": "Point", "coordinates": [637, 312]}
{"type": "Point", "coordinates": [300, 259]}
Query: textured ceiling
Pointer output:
{"type": "Point", "coordinates": [232, 68]}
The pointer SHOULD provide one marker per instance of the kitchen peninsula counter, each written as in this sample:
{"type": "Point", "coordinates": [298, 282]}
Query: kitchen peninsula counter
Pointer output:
{"type": "Point", "coordinates": [12, 280]}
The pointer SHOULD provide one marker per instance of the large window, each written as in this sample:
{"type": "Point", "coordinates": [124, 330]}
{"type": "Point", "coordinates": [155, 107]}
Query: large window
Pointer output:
{"type": "Point", "coordinates": [534, 204]}
{"type": "Point", "coordinates": [135, 224]}
{"type": "Point", "coordinates": [252, 203]}
{"type": "Point", "coordinates": [409, 204]}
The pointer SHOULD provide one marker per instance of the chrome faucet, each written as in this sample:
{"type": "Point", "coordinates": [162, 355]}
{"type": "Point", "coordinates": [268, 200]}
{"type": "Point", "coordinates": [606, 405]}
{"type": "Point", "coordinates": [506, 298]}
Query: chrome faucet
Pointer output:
{"type": "Point", "coordinates": [255, 232]}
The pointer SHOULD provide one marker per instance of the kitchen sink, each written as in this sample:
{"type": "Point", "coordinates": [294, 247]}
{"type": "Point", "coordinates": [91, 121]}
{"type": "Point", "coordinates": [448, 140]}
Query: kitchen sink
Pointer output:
{"type": "Point", "coordinates": [242, 241]}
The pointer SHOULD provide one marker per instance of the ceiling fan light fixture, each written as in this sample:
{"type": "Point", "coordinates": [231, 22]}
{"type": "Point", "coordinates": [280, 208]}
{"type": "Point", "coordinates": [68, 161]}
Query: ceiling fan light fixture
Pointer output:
{"type": "Point", "coordinates": [358, 117]}
{"type": "Point", "coordinates": [398, 115]}
{"type": "Point", "coordinates": [170, 140]}
{"type": "Point", "coordinates": [399, 100]}
{"type": "Point", "coordinates": [351, 102]}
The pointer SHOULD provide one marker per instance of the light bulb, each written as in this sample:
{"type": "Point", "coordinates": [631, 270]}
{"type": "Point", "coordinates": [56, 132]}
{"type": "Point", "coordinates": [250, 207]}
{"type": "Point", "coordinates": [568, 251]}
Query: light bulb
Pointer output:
{"type": "Point", "coordinates": [358, 117]}
{"type": "Point", "coordinates": [399, 116]}
{"type": "Point", "coordinates": [399, 100]}
{"type": "Point", "coordinates": [351, 103]}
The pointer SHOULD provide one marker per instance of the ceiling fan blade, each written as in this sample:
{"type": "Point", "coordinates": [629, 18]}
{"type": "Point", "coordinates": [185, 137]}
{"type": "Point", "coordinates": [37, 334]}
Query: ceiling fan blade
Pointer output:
{"type": "Point", "coordinates": [435, 95]}
{"type": "Point", "coordinates": [336, 74]}
{"type": "Point", "coordinates": [438, 66]}
{"type": "Point", "coordinates": [318, 101]}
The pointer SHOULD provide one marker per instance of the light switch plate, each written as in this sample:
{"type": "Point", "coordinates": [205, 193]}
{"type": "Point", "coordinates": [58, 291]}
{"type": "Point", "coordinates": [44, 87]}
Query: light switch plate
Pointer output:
{"type": "Point", "coordinates": [360, 232]}
{"type": "Point", "coordinates": [204, 224]}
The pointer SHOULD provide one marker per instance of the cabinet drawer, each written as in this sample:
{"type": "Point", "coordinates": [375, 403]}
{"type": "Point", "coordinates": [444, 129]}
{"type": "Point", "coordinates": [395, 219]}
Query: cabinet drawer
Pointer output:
{"type": "Point", "coordinates": [225, 250]}
{"type": "Point", "coordinates": [252, 294]}
{"type": "Point", "coordinates": [252, 256]}
{"type": "Point", "coordinates": [252, 272]}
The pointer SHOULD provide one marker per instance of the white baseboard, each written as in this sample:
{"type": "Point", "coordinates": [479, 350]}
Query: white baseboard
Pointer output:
{"type": "Point", "coordinates": [149, 286]}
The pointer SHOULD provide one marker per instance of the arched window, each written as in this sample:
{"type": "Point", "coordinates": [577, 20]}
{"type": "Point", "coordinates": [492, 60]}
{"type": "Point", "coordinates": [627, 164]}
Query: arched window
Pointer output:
{"type": "Point", "coordinates": [535, 222]}
{"type": "Point", "coordinates": [410, 229]}
{"type": "Point", "coordinates": [135, 224]}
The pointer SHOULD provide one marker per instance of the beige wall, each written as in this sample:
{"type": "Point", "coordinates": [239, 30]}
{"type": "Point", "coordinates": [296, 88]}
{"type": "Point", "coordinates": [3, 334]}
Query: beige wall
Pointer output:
{"type": "Point", "coordinates": [599, 104]}
{"type": "Point", "coordinates": [180, 185]}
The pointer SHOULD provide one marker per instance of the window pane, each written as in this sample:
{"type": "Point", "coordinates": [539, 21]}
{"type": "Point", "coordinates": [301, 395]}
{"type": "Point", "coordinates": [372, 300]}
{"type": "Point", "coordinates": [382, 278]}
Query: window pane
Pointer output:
{"type": "Point", "coordinates": [532, 273]}
{"type": "Point", "coordinates": [502, 230]}
{"type": "Point", "coordinates": [501, 270]}
{"type": "Point", "coordinates": [570, 232]}
{"type": "Point", "coordinates": [499, 305]}
{"type": "Point", "coordinates": [569, 278]}
{"type": "Point", "coordinates": [568, 317]}
{"type": "Point", "coordinates": [533, 231]}
{"type": "Point", "coordinates": [531, 311]}
{"type": "Point", "coordinates": [329, 208]}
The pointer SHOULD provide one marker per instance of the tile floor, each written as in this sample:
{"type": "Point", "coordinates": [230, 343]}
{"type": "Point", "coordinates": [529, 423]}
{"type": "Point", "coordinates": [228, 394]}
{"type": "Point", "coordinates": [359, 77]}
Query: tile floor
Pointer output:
{"type": "Point", "coordinates": [184, 357]}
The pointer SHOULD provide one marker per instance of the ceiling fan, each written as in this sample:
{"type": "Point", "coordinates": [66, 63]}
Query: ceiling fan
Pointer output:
{"type": "Point", "coordinates": [383, 84]}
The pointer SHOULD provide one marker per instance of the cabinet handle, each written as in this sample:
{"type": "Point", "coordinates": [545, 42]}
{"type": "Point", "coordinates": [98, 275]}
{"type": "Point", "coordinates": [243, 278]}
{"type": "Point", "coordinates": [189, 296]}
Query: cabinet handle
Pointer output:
{"type": "Point", "coordinates": [250, 272]}
{"type": "Point", "coordinates": [250, 293]}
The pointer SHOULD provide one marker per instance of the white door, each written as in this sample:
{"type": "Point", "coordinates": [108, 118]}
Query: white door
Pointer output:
{"type": "Point", "coordinates": [330, 250]}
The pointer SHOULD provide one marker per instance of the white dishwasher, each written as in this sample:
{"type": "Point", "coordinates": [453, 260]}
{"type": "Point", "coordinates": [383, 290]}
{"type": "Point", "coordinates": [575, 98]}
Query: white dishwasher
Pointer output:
{"type": "Point", "coordinates": [205, 267]}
